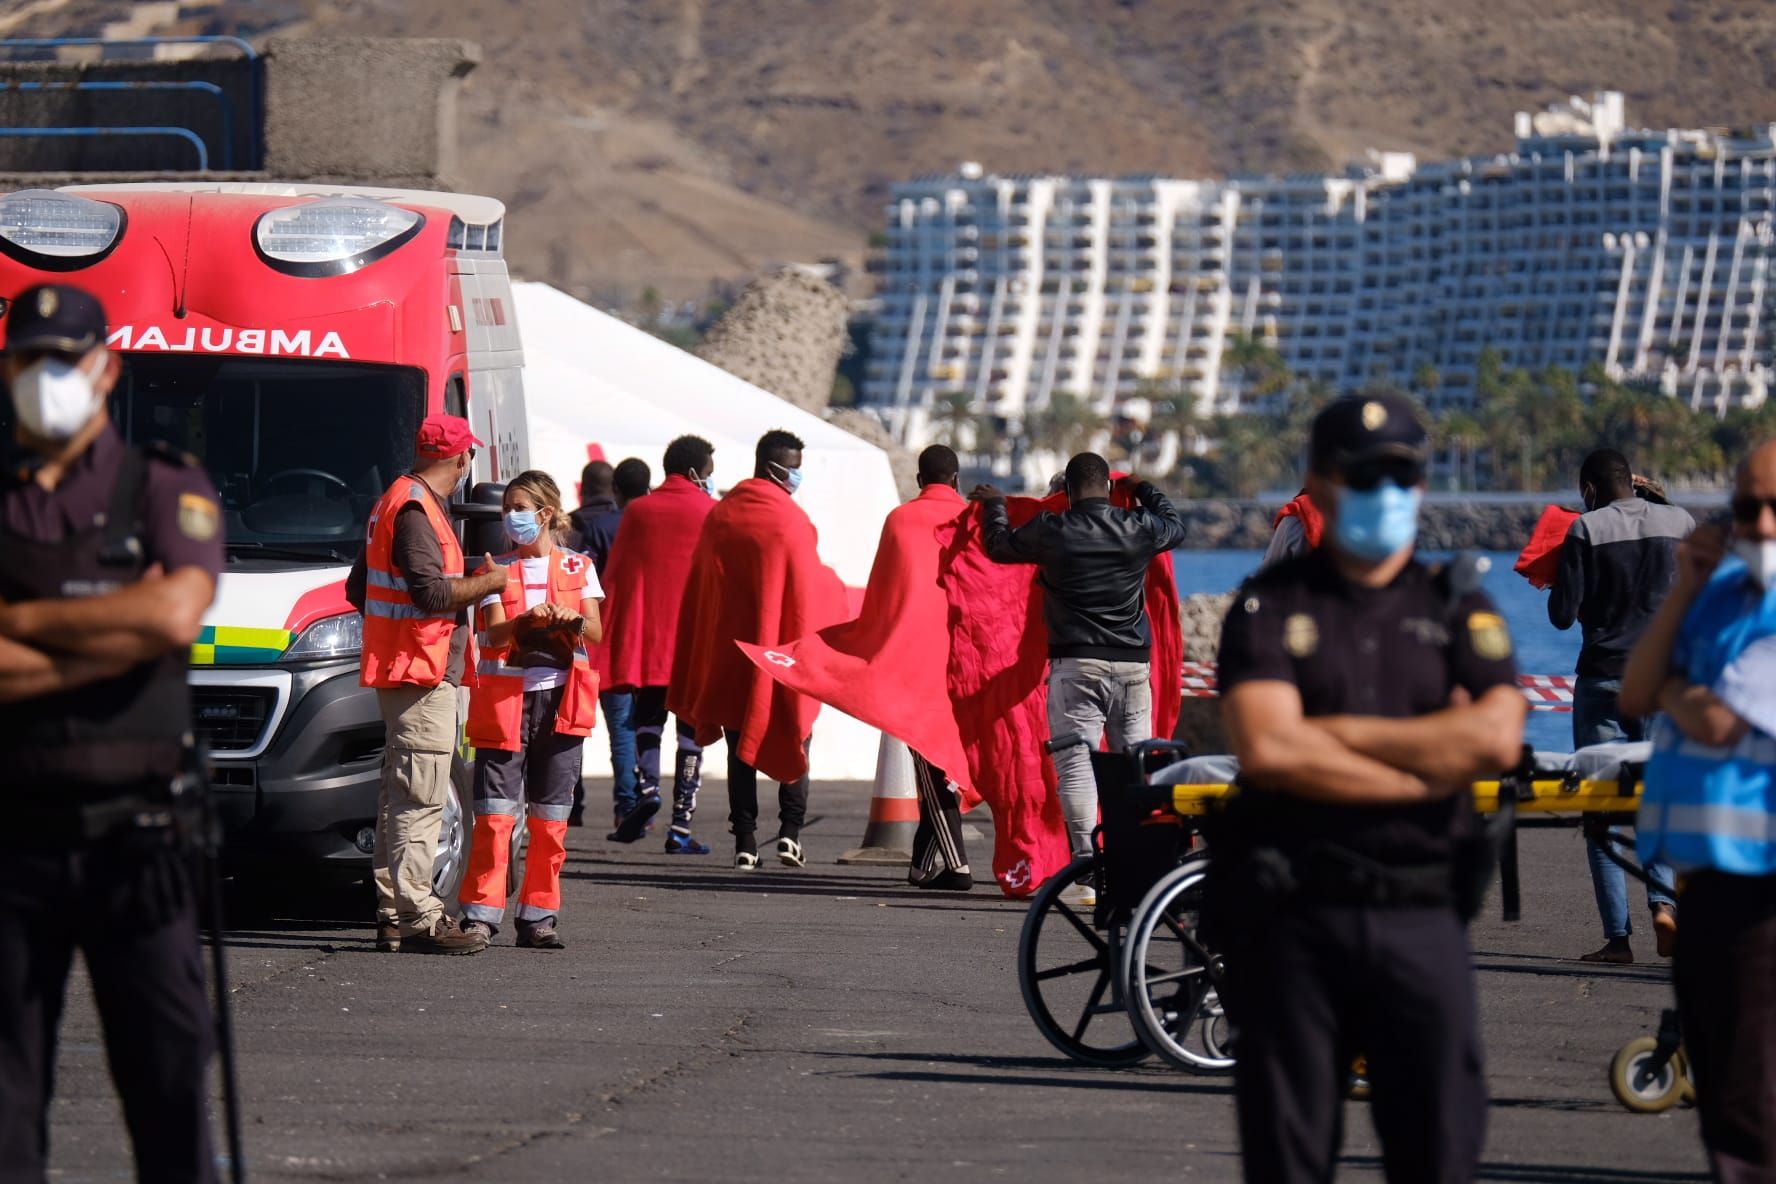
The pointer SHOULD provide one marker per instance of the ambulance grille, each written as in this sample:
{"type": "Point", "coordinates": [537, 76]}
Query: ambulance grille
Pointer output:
{"type": "Point", "coordinates": [231, 719]}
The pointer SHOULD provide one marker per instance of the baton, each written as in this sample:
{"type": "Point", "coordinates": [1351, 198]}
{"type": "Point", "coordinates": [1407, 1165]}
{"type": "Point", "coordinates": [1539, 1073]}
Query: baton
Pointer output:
{"type": "Point", "coordinates": [209, 852]}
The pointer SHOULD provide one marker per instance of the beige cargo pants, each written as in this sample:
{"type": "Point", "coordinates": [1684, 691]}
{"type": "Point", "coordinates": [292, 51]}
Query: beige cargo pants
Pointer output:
{"type": "Point", "coordinates": [423, 730]}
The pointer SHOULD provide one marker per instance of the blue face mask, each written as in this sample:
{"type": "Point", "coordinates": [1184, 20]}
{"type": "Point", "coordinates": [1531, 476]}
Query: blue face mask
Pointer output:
{"type": "Point", "coordinates": [522, 527]}
{"type": "Point", "coordinates": [792, 478]}
{"type": "Point", "coordinates": [1374, 524]}
{"type": "Point", "coordinates": [706, 484]}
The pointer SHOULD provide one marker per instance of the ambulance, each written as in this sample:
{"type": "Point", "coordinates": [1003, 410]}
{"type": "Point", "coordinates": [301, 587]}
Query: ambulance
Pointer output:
{"type": "Point", "coordinates": [291, 337]}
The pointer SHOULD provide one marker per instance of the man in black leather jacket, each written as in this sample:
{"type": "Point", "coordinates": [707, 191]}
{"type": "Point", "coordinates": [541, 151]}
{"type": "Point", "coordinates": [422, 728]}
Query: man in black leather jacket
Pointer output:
{"type": "Point", "coordinates": [1093, 559]}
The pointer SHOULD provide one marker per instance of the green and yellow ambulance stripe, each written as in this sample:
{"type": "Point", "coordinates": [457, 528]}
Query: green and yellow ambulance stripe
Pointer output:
{"type": "Point", "coordinates": [232, 645]}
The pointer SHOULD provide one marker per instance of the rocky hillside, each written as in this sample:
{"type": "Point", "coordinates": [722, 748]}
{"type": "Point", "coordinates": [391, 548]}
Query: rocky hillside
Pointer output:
{"type": "Point", "coordinates": [671, 142]}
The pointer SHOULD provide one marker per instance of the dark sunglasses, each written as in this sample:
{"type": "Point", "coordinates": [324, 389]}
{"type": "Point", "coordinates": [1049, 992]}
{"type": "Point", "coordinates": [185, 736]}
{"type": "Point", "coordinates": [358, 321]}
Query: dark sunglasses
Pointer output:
{"type": "Point", "coordinates": [1747, 509]}
{"type": "Point", "coordinates": [1367, 475]}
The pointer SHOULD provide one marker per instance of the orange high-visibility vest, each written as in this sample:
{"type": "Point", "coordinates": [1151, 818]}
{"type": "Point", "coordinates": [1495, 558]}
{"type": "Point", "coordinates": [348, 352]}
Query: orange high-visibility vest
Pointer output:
{"type": "Point", "coordinates": [496, 705]}
{"type": "Point", "coordinates": [404, 645]}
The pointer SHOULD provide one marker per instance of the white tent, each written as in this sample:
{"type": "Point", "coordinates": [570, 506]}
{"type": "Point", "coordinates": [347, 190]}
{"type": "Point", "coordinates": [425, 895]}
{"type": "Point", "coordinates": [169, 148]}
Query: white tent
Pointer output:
{"type": "Point", "coordinates": [591, 380]}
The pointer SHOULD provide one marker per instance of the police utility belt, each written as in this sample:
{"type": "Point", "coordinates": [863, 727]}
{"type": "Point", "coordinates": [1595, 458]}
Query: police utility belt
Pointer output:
{"type": "Point", "coordinates": [1326, 873]}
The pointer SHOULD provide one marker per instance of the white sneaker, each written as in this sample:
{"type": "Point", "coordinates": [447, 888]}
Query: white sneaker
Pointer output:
{"type": "Point", "coordinates": [1080, 896]}
{"type": "Point", "coordinates": [745, 861]}
{"type": "Point", "coordinates": [789, 853]}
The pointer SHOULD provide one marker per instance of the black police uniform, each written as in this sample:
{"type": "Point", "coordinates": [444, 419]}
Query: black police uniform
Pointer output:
{"type": "Point", "coordinates": [1340, 923]}
{"type": "Point", "coordinates": [89, 860]}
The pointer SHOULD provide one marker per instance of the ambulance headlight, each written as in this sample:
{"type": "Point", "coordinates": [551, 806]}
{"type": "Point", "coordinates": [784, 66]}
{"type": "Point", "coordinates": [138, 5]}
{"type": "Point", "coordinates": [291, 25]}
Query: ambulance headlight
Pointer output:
{"type": "Point", "coordinates": [332, 236]}
{"type": "Point", "coordinates": [330, 637]}
{"type": "Point", "coordinates": [54, 231]}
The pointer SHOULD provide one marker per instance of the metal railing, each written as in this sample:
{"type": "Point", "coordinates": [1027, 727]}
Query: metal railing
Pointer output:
{"type": "Point", "coordinates": [224, 104]}
{"type": "Point", "coordinates": [183, 133]}
{"type": "Point", "coordinates": [256, 89]}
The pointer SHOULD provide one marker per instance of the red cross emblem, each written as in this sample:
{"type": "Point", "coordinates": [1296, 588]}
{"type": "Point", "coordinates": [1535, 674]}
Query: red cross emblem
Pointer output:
{"type": "Point", "coordinates": [573, 565]}
{"type": "Point", "coordinates": [777, 659]}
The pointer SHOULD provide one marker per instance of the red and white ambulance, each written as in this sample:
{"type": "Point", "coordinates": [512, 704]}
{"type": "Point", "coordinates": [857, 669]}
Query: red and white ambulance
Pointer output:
{"type": "Point", "coordinates": [291, 337]}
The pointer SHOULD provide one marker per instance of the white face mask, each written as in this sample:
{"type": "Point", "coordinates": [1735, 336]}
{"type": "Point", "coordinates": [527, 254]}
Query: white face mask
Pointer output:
{"type": "Point", "coordinates": [55, 398]}
{"type": "Point", "coordinates": [1760, 558]}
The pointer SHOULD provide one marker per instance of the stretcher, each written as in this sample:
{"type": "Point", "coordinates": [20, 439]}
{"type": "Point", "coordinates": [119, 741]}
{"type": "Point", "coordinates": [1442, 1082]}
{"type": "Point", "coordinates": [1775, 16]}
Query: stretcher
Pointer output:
{"type": "Point", "coordinates": [1130, 977]}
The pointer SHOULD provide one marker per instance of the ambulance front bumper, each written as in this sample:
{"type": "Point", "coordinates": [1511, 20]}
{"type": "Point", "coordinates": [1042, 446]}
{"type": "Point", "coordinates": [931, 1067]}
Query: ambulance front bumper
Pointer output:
{"type": "Point", "coordinates": [297, 755]}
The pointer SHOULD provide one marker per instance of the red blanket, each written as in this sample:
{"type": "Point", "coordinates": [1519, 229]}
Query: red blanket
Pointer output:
{"type": "Point", "coordinates": [644, 582]}
{"type": "Point", "coordinates": [1540, 561]}
{"type": "Point", "coordinates": [888, 667]}
{"type": "Point", "coordinates": [1313, 523]}
{"type": "Point", "coordinates": [755, 577]}
{"type": "Point", "coordinates": [998, 681]}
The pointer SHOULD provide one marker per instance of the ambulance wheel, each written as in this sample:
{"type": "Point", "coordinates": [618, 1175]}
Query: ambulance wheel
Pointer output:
{"type": "Point", "coordinates": [1640, 1085]}
{"type": "Point", "coordinates": [1170, 976]}
{"type": "Point", "coordinates": [1069, 974]}
{"type": "Point", "coordinates": [451, 862]}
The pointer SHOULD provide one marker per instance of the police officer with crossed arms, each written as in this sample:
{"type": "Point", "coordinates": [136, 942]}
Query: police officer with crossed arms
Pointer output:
{"type": "Point", "coordinates": [109, 554]}
{"type": "Point", "coordinates": [1364, 691]}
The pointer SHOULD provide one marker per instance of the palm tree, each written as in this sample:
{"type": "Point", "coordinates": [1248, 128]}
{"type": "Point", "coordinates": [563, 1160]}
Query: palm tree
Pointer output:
{"type": "Point", "coordinates": [1261, 369]}
{"type": "Point", "coordinates": [953, 420]}
{"type": "Point", "coordinates": [1065, 426]}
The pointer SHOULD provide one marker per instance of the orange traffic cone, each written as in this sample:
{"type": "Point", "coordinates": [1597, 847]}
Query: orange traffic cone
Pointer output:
{"type": "Point", "coordinates": [894, 809]}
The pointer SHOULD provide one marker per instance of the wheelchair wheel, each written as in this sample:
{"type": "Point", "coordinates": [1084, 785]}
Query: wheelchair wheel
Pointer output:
{"type": "Point", "coordinates": [1170, 977]}
{"type": "Point", "coordinates": [1642, 1086]}
{"type": "Point", "coordinates": [1068, 972]}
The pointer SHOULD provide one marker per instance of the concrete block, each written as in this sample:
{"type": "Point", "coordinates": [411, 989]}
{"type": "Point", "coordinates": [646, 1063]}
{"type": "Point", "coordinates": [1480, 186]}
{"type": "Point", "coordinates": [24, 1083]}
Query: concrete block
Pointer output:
{"type": "Point", "coordinates": [364, 108]}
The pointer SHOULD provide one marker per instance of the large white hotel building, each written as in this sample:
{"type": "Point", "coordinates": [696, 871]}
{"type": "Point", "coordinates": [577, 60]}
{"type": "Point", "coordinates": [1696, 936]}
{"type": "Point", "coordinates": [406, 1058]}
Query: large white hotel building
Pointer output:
{"type": "Point", "coordinates": [1646, 251]}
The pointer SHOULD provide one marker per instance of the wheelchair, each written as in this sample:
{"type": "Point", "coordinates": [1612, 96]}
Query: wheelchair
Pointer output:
{"type": "Point", "coordinates": [1133, 977]}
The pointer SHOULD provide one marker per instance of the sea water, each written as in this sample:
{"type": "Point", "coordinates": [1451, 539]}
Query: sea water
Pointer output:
{"type": "Point", "coordinates": [1541, 648]}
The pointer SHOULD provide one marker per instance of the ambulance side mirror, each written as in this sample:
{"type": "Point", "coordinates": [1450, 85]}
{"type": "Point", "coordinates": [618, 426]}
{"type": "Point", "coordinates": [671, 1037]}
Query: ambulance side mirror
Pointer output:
{"type": "Point", "coordinates": [484, 532]}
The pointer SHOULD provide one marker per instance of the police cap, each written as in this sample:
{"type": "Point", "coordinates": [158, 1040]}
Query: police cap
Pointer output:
{"type": "Point", "coordinates": [1358, 428]}
{"type": "Point", "coordinates": [55, 317]}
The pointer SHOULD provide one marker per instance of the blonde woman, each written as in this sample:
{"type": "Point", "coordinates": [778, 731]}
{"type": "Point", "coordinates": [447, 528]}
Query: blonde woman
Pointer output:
{"type": "Point", "coordinates": [533, 702]}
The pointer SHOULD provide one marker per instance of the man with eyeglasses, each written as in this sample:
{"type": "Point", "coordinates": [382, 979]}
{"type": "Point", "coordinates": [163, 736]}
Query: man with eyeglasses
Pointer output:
{"type": "Point", "coordinates": [1708, 663]}
{"type": "Point", "coordinates": [1364, 691]}
{"type": "Point", "coordinates": [409, 584]}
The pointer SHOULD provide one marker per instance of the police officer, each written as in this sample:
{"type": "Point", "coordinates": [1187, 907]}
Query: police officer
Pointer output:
{"type": "Point", "coordinates": [108, 559]}
{"type": "Point", "coordinates": [1364, 691]}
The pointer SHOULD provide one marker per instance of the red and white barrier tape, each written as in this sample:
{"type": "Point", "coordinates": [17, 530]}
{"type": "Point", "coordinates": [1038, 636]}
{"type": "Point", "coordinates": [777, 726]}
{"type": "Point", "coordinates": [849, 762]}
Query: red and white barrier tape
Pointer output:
{"type": "Point", "coordinates": [1545, 692]}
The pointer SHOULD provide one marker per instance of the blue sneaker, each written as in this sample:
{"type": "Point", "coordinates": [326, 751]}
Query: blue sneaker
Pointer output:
{"type": "Point", "coordinates": [682, 843]}
{"type": "Point", "coordinates": [634, 824]}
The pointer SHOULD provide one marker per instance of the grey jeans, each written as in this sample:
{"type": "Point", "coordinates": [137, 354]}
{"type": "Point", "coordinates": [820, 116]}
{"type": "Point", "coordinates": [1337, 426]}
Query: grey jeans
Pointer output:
{"type": "Point", "coordinates": [1091, 698]}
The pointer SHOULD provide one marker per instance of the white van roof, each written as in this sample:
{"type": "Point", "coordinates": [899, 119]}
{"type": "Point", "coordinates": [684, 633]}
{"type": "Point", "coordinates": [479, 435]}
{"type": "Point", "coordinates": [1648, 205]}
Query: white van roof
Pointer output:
{"type": "Point", "coordinates": [472, 209]}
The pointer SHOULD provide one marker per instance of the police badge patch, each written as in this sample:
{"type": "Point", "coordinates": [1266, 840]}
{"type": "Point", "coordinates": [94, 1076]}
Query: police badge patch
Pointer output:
{"type": "Point", "coordinates": [1489, 637]}
{"type": "Point", "coordinates": [199, 518]}
{"type": "Point", "coordinates": [1301, 636]}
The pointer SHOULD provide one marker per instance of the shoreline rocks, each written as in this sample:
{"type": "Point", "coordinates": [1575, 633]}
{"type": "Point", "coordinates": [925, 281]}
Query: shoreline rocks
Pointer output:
{"type": "Point", "coordinates": [1444, 526]}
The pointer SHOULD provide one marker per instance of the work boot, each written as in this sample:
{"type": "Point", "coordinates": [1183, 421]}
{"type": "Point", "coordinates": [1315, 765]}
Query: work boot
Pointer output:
{"type": "Point", "coordinates": [1615, 952]}
{"type": "Point", "coordinates": [1665, 929]}
{"type": "Point", "coordinates": [445, 939]}
{"type": "Point", "coordinates": [388, 937]}
{"type": "Point", "coordinates": [479, 929]}
{"type": "Point", "coordinates": [541, 936]}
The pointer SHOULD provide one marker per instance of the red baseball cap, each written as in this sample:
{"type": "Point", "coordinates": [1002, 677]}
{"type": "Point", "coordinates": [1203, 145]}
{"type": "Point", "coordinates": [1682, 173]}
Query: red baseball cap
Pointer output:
{"type": "Point", "coordinates": [444, 436]}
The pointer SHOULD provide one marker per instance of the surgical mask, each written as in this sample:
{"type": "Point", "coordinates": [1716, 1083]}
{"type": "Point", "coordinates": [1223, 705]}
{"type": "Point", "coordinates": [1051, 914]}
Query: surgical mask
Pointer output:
{"type": "Point", "coordinates": [55, 398]}
{"type": "Point", "coordinates": [1760, 559]}
{"type": "Point", "coordinates": [792, 478]}
{"type": "Point", "coordinates": [1373, 524]}
{"type": "Point", "coordinates": [706, 484]}
{"type": "Point", "coordinates": [523, 527]}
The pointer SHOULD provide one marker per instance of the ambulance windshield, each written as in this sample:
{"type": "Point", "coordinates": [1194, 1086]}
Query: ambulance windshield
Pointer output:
{"type": "Point", "coordinates": [299, 450]}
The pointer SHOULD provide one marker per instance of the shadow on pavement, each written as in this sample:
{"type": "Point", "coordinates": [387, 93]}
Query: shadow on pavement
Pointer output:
{"type": "Point", "coordinates": [1563, 968]}
{"type": "Point", "coordinates": [1060, 1080]}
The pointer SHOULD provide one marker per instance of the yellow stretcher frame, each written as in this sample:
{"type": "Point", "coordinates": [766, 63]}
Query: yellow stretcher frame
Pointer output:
{"type": "Point", "coordinates": [1548, 796]}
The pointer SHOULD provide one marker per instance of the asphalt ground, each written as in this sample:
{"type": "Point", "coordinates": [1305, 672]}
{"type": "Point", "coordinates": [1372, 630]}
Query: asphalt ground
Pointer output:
{"type": "Point", "coordinates": [823, 1024]}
